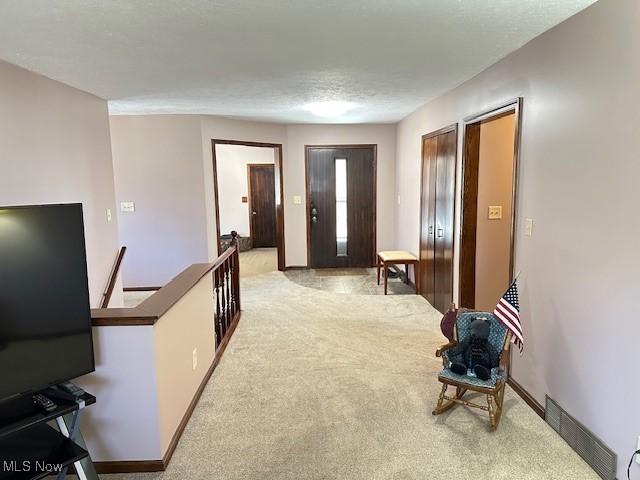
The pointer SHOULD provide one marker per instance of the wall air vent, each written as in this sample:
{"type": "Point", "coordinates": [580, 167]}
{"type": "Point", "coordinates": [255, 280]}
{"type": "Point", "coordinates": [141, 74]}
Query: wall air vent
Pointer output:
{"type": "Point", "coordinates": [601, 458]}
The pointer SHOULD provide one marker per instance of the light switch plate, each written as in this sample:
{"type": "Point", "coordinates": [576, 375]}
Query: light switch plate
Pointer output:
{"type": "Point", "coordinates": [495, 212]}
{"type": "Point", "coordinates": [297, 200]}
{"type": "Point", "coordinates": [528, 227]}
{"type": "Point", "coordinates": [127, 207]}
{"type": "Point", "coordinates": [108, 214]}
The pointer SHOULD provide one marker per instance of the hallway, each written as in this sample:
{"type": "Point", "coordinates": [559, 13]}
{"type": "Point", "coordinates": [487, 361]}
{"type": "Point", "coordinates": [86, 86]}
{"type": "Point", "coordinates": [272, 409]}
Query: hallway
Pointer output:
{"type": "Point", "coordinates": [320, 385]}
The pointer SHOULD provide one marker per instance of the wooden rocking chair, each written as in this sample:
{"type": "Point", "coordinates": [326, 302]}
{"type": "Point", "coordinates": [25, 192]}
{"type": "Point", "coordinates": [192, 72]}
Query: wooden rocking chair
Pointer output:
{"type": "Point", "coordinates": [493, 388]}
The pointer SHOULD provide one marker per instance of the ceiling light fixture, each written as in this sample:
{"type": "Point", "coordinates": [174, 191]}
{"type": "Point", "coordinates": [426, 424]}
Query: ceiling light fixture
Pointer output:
{"type": "Point", "coordinates": [329, 109]}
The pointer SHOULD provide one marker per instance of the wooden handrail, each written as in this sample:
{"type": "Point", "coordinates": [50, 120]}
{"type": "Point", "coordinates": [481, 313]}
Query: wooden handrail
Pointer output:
{"type": "Point", "coordinates": [106, 296]}
{"type": "Point", "coordinates": [226, 283]}
{"type": "Point", "coordinates": [226, 289]}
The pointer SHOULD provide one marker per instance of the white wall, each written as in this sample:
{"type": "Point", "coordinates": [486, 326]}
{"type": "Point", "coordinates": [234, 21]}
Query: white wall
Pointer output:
{"type": "Point", "coordinates": [54, 148]}
{"type": "Point", "coordinates": [157, 162]}
{"type": "Point", "coordinates": [155, 166]}
{"type": "Point", "coordinates": [580, 161]}
{"type": "Point", "coordinates": [232, 161]}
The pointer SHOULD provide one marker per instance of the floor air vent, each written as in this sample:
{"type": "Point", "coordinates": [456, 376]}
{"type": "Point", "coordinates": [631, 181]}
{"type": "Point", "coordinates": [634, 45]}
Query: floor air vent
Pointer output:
{"type": "Point", "coordinates": [588, 446]}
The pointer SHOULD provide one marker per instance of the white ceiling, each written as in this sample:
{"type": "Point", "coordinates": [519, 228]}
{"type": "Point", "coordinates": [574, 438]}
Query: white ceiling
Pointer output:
{"type": "Point", "coordinates": [266, 59]}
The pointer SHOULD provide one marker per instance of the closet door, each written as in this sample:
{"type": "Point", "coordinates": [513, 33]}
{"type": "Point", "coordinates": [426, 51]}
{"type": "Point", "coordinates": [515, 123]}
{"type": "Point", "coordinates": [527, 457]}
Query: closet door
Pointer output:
{"type": "Point", "coordinates": [428, 218]}
{"type": "Point", "coordinates": [445, 200]}
{"type": "Point", "coordinates": [437, 205]}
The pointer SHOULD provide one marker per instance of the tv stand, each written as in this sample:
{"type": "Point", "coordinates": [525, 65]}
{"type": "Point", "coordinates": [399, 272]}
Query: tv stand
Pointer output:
{"type": "Point", "coordinates": [31, 449]}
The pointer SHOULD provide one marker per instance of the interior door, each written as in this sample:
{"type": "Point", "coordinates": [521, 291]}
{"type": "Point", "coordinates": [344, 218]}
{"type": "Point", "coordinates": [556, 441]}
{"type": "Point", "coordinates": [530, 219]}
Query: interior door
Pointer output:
{"type": "Point", "coordinates": [428, 219]}
{"type": "Point", "coordinates": [341, 207]}
{"type": "Point", "coordinates": [436, 215]}
{"type": "Point", "coordinates": [262, 206]}
{"type": "Point", "coordinates": [445, 199]}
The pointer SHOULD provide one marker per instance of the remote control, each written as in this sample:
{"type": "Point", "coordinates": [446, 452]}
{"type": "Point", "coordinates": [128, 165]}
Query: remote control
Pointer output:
{"type": "Point", "coordinates": [43, 403]}
{"type": "Point", "coordinates": [71, 388]}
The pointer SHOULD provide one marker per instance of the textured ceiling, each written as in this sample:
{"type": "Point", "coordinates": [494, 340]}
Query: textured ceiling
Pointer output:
{"type": "Point", "coordinates": [266, 59]}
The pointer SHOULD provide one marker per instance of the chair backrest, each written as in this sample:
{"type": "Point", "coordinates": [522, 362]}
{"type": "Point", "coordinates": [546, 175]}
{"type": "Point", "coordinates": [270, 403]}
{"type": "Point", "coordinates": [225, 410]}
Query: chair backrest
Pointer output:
{"type": "Point", "coordinates": [497, 331]}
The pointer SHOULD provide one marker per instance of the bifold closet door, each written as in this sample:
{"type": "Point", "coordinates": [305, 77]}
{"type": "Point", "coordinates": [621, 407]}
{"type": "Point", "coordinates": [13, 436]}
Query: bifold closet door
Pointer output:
{"type": "Point", "coordinates": [428, 217]}
{"type": "Point", "coordinates": [445, 200]}
{"type": "Point", "coordinates": [437, 210]}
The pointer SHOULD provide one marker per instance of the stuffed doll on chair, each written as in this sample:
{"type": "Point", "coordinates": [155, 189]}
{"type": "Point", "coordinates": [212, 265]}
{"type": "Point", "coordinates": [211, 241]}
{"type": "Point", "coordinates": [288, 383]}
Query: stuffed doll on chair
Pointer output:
{"type": "Point", "coordinates": [475, 353]}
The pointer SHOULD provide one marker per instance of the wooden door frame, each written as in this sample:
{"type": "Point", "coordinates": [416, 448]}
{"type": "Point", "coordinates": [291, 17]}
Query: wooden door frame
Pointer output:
{"type": "Point", "coordinates": [466, 274]}
{"type": "Point", "coordinates": [436, 133]}
{"type": "Point", "coordinates": [279, 182]}
{"type": "Point", "coordinates": [250, 209]}
{"type": "Point", "coordinates": [374, 149]}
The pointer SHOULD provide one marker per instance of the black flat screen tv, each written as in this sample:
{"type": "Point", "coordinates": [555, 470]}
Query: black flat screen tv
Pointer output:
{"type": "Point", "coordinates": [45, 317]}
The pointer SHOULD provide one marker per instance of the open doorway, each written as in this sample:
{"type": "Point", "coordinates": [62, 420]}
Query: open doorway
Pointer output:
{"type": "Point", "coordinates": [248, 200]}
{"type": "Point", "coordinates": [489, 192]}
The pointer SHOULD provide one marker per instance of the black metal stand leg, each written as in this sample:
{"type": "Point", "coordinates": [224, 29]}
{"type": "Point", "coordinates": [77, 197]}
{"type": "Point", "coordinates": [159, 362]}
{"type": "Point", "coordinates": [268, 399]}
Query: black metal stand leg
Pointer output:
{"type": "Point", "coordinates": [69, 426]}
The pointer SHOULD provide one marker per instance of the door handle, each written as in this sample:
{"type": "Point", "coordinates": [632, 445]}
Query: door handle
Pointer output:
{"type": "Point", "coordinates": [314, 211]}
{"type": "Point", "coordinates": [314, 219]}
{"type": "Point", "coordinates": [440, 232]}
{"type": "Point", "coordinates": [254, 213]}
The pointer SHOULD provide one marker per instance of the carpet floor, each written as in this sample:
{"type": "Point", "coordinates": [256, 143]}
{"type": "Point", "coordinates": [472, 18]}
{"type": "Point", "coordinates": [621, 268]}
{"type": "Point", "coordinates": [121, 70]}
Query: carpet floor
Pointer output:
{"type": "Point", "coordinates": [321, 385]}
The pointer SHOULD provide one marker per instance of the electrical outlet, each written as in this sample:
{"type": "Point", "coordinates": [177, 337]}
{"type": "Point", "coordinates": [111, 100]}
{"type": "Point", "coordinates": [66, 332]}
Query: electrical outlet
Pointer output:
{"type": "Point", "coordinates": [108, 214]}
{"type": "Point", "coordinates": [297, 200]}
{"type": "Point", "coordinates": [195, 358]}
{"type": "Point", "coordinates": [528, 227]}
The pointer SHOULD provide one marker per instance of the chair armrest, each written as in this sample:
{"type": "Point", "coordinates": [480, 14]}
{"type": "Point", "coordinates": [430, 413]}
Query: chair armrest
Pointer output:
{"type": "Point", "coordinates": [446, 347]}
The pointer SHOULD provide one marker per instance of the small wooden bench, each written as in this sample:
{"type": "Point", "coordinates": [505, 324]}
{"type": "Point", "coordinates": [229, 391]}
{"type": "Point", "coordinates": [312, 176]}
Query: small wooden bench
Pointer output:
{"type": "Point", "coordinates": [397, 257]}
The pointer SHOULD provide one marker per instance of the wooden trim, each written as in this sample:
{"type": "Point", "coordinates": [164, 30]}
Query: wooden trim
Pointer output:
{"type": "Point", "coordinates": [449, 128]}
{"type": "Point", "coordinates": [161, 465]}
{"type": "Point", "coordinates": [129, 466]}
{"type": "Point", "coordinates": [496, 111]}
{"type": "Point", "coordinates": [527, 397]}
{"type": "Point", "coordinates": [297, 267]}
{"type": "Point", "coordinates": [279, 182]}
{"type": "Point", "coordinates": [466, 283]}
{"type": "Point", "coordinates": [141, 289]}
{"type": "Point", "coordinates": [106, 297]}
{"type": "Point", "coordinates": [151, 309]}
{"type": "Point", "coordinates": [374, 148]}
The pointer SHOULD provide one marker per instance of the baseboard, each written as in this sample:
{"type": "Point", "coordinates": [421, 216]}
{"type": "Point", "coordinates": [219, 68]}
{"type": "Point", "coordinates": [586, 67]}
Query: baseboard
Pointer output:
{"type": "Point", "coordinates": [526, 396]}
{"type": "Point", "coordinates": [133, 466]}
{"type": "Point", "coordinates": [139, 466]}
{"type": "Point", "coordinates": [140, 289]}
{"type": "Point", "coordinates": [299, 267]}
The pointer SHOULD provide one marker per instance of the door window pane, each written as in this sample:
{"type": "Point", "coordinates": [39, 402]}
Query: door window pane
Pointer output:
{"type": "Point", "coordinates": [341, 206]}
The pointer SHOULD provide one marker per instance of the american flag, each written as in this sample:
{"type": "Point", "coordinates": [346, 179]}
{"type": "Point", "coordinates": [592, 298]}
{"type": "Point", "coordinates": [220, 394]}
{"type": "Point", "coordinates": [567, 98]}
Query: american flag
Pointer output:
{"type": "Point", "coordinates": [508, 312]}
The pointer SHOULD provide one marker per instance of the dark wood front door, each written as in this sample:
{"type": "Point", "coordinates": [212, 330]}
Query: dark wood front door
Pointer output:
{"type": "Point", "coordinates": [436, 215]}
{"type": "Point", "coordinates": [262, 206]}
{"type": "Point", "coordinates": [341, 206]}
